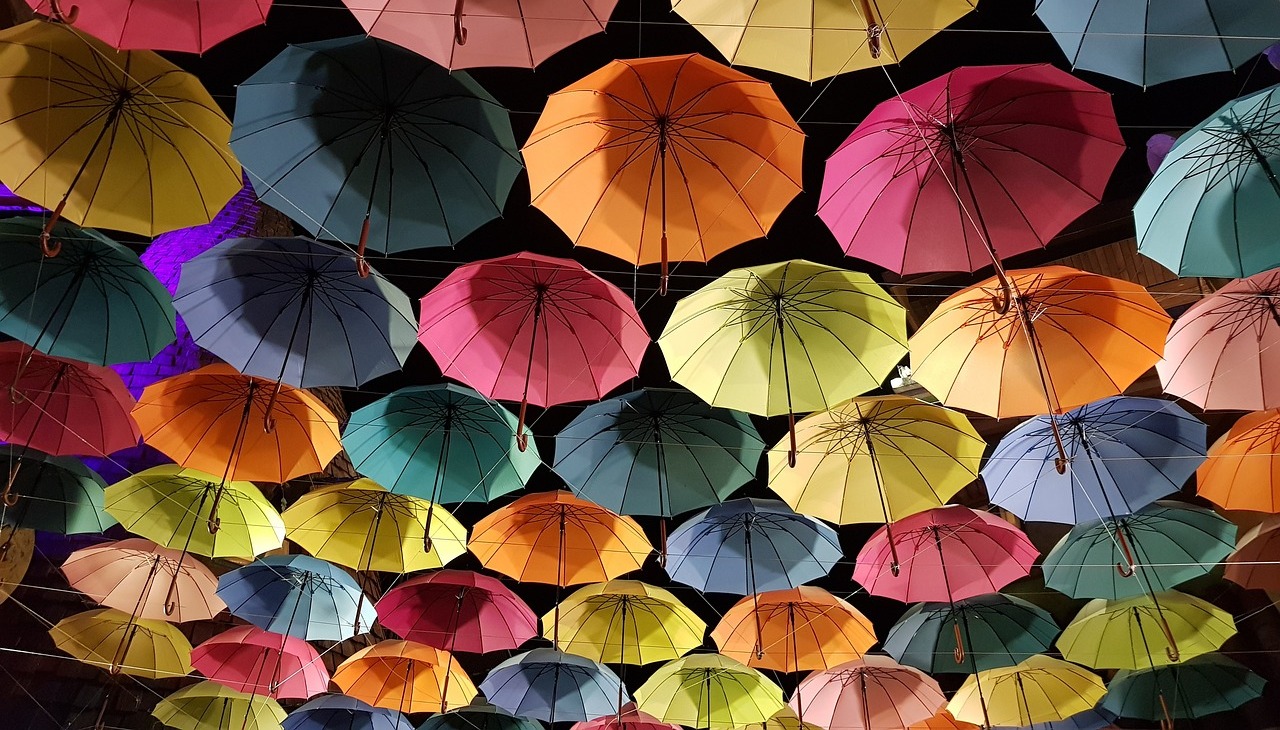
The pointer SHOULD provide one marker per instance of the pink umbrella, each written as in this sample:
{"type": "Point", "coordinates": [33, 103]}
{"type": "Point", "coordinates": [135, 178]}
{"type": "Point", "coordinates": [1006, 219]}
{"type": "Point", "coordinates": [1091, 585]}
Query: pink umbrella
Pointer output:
{"type": "Point", "coordinates": [1223, 353]}
{"type": "Point", "coordinates": [627, 718]}
{"type": "Point", "coordinates": [468, 33]}
{"type": "Point", "coordinates": [532, 328]}
{"type": "Point", "coordinates": [248, 659]}
{"type": "Point", "coordinates": [124, 575]}
{"type": "Point", "coordinates": [977, 165]}
{"type": "Point", "coordinates": [63, 407]}
{"type": "Point", "coordinates": [458, 610]}
{"type": "Point", "coordinates": [948, 554]}
{"type": "Point", "coordinates": [193, 26]}
{"type": "Point", "coordinates": [870, 693]}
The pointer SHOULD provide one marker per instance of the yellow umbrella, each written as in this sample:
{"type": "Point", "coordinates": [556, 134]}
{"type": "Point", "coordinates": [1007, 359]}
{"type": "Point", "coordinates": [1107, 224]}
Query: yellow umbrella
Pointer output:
{"type": "Point", "coordinates": [624, 622]}
{"type": "Point", "coordinates": [210, 706]}
{"type": "Point", "coordinates": [1145, 631]}
{"type": "Point", "coordinates": [364, 527]}
{"type": "Point", "coordinates": [1039, 690]}
{"type": "Point", "coordinates": [709, 691]}
{"type": "Point", "coordinates": [787, 719]}
{"type": "Point", "coordinates": [814, 39]}
{"type": "Point", "coordinates": [405, 676]}
{"type": "Point", "coordinates": [122, 644]}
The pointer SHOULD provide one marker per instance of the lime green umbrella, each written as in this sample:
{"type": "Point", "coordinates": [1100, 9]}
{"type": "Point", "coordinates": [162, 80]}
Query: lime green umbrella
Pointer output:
{"type": "Point", "coordinates": [710, 692]}
{"type": "Point", "coordinates": [51, 493]}
{"type": "Point", "coordinates": [1147, 631]}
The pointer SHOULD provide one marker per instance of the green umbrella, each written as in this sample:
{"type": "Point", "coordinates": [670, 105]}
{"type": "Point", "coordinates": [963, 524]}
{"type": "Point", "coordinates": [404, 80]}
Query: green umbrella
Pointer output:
{"type": "Point", "coordinates": [94, 301]}
{"type": "Point", "coordinates": [1205, 685]}
{"type": "Point", "coordinates": [969, 636]}
{"type": "Point", "coordinates": [51, 493]}
{"type": "Point", "coordinates": [478, 716]}
{"type": "Point", "coordinates": [1154, 549]}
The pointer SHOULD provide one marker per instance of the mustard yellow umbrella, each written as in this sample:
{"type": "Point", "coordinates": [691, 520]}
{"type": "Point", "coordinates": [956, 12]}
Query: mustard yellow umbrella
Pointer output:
{"type": "Point", "coordinates": [624, 622]}
{"type": "Point", "coordinates": [123, 644]}
{"type": "Point", "coordinates": [210, 706]}
{"type": "Point", "coordinates": [364, 527]}
{"type": "Point", "coordinates": [1039, 690]}
{"type": "Point", "coordinates": [710, 692]}
{"type": "Point", "coordinates": [1144, 632]}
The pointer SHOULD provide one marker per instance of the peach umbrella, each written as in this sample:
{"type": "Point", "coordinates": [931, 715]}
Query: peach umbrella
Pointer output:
{"type": "Point", "coordinates": [871, 693]}
{"type": "Point", "coordinates": [1242, 471]}
{"type": "Point", "coordinates": [794, 630]}
{"type": "Point", "coordinates": [124, 574]}
{"type": "Point", "coordinates": [406, 677]}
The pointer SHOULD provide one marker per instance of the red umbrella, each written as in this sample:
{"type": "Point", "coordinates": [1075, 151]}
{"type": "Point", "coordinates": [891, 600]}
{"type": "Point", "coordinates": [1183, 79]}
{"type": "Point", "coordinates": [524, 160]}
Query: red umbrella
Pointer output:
{"type": "Point", "coordinates": [193, 26]}
{"type": "Point", "coordinates": [458, 610]}
{"type": "Point", "coordinates": [248, 659]}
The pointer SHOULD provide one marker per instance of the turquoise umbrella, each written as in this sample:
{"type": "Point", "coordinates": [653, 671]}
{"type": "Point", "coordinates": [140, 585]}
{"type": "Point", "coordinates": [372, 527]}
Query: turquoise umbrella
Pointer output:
{"type": "Point", "coordinates": [1154, 549]}
{"type": "Point", "coordinates": [478, 716]}
{"type": "Point", "coordinates": [94, 301]}
{"type": "Point", "coordinates": [51, 493]}
{"type": "Point", "coordinates": [965, 637]}
{"type": "Point", "coordinates": [1205, 685]}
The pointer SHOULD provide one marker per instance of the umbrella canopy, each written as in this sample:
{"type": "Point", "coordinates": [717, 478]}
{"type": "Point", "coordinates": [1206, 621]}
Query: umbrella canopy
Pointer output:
{"type": "Point", "coordinates": [15, 558]}
{"type": "Point", "coordinates": [710, 692]}
{"type": "Point", "coordinates": [628, 719]}
{"type": "Point", "coordinates": [133, 145]}
{"type": "Point", "coordinates": [248, 659]}
{"type": "Point", "coordinates": [983, 632]}
{"type": "Point", "coordinates": [358, 139]}
{"type": "Point", "coordinates": [128, 575]}
{"type": "Point", "coordinates": [1243, 468]}
{"type": "Point", "coordinates": [298, 596]}
{"type": "Point", "coordinates": [339, 712]}
{"type": "Point", "coordinates": [745, 546]}
{"type": "Point", "coordinates": [1205, 685]}
{"type": "Point", "coordinates": [93, 302]}
{"type": "Point", "coordinates": [1095, 719]}
{"type": "Point", "coordinates": [210, 706]}
{"type": "Point", "coordinates": [124, 644]}
{"type": "Point", "coordinates": [1146, 631]}
{"type": "Point", "coordinates": [457, 610]}
{"type": "Point", "coordinates": [787, 719]}
{"type": "Point", "coordinates": [943, 721]}
{"type": "Point", "coordinates": [191, 26]}
{"type": "Point", "coordinates": [444, 443]}
{"type": "Point", "coordinates": [794, 630]}
{"type": "Point", "coordinates": [51, 493]}
{"type": "Point", "coordinates": [975, 166]}
{"type": "Point", "coordinates": [1256, 560]}
{"type": "Point", "coordinates": [479, 715]}
{"type": "Point", "coordinates": [870, 693]}
{"type": "Point", "coordinates": [1039, 690]}
{"type": "Point", "coordinates": [657, 452]}
{"type": "Point", "coordinates": [624, 622]}
{"type": "Point", "coordinates": [218, 421]}
{"type": "Point", "coordinates": [1066, 338]}
{"type": "Point", "coordinates": [1122, 454]}
{"type": "Point", "coordinates": [671, 158]}
{"type": "Point", "coordinates": [552, 686]}
{"type": "Point", "coordinates": [406, 677]}
{"type": "Point", "coordinates": [1155, 549]}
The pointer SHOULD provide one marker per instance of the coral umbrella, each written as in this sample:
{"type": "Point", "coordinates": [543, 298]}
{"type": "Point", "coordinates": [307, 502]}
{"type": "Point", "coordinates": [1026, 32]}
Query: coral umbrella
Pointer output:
{"type": "Point", "coordinates": [943, 721]}
{"type": "Point", "coordinates": [670, 158]}
{"type": "Point", "coordinates": [532, 328]}
{"type": "Point", "coordinates": [1145, 632]}
{"type": "Point", "coordinates": [248, 659]}
{"type": "Point", "coordinates": [211, 706]}
{"type": "Point", "coordinates": [1205, 685]}
{"type": "Point", "coordinates": [124, 644]}
{"type": "Point", "coordinates": [459, 611]}
{"type": "Point", "coordinates": [550, 685]}
{"type": "Point", "coordinates": [1256, 560]}
{"type": "Point", "coordinates": [1243, 468]}
{"type": "Point", "coordinates": [1039, 690]}
{"type": "Point", "coordinates": [629, 718]}
{"type": "Point", "coordinates": [51, 493]}
{"type": "Point", "coordinates": [192, 26]}
{"type": "Point", "coordinates": [479, 715]}
{"type": "Point", "coordinates": [339, 712]}
{"type": "Point", "coordinates": [793, 630]}
{"type": "Point", "coordinates": [991, 630]}
{"type": "Point", "coordinates": [124, 575]}
{"type": "Point", "coordinates": [624, 622]}
{"type": "Point", "coordinates": [406, 677]}
{"type": "Point", "coordinates": [299, 596]}
{"type": "Point", "coordinates": [867, 694]}
{"type": "Point", "coordinates": [709, 692]}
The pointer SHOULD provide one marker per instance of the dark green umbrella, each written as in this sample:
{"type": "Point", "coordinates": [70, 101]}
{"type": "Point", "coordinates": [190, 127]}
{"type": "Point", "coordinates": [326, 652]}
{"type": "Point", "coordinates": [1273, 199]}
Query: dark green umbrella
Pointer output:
{"type": "Point", "coordinates": [985, 632]}
{"type": "Point", "coordinates": [1205, 685]}
{"type": "Point", "coordinates": [478, 716]}
{"type": "Point", "coordinates": [50, 493]}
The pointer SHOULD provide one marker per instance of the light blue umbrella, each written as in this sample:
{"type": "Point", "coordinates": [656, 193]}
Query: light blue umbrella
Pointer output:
{"type": "Point", "coordinates": [478, 716]}
{"type": "Point", "coordinates": [299, 596]}
{"type": "Point", "coordinates": [1095, 719]}
{"type": "Point", "coordinates": [965, 637]}
{"type": "Point", "coordinates": [1123, 453]}
{"type": "Point", "coordinates": [339, 712]}
{"type": "Point", "coordinates": [550, 685]}
{"type": "Point", "coordinates": [50, 493]}
{"type": "Point", "coordinates": [1148, 43]}
{"type": "Point", "coordinates": [1210, 209]}
{"type": "Point", "coordinates": [747, 546]}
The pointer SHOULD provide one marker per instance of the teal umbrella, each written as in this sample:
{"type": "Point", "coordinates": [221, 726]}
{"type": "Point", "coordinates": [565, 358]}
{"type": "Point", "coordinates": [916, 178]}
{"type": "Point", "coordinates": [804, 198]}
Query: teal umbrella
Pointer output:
{"type": "Point", "coordinates": [1205, 685]}
{"type": "Point", "coordinates": [51, 493]}
{"type": "Point", "coordinates": [1157, 548]}
{"type": "Point", "coordinates": [965, 637]}
{"type": "Point", "coordinates": [478, 716]}
{"type": "Point", "coordinates": [94, 301]}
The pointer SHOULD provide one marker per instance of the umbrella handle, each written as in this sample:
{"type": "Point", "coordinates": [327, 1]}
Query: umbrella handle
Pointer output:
{"type": "Point", "coordinates": [874, 30]}
{"type": "Point", "coordinates": [362, 264]}
{"type": "Point", "coordinates": [1166, 722]}
{"type": "Point", "coordinates": [10, 497]}
{"type": "Point", "coordinates": [67, 18]}
{"type": "Point", "coordinates": [1125, 569]}
{"type": "Point", "coordinates": [958, 653]}
{"type": "Point", "coordinates": [49, 247]}
{"type": "Point", "coordinates": [666, 271]}
{"type": "Point", "coordinates": [791, 429]}
{"type": "Point", "coordinates": [269, 423]}
{"type": "Point", "coordinates": [1171, 650]}
{"type": "Point", "coordinates": [522, 438]}
{"type": "Point", "coordinates": [459, 32]}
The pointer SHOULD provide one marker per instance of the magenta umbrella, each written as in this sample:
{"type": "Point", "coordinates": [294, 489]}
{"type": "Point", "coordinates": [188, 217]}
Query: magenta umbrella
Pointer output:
{"type": "Point", "coordinates": [458, 610]}
{"type": "Point", "coordinates": [248, 659]}
{"type": "Point", "coordinates": [534, 329]}
{"type": "Point", "coordinates": [948, 554]}
{"type": "Point", "coordinates": [193, 26]}
{"type": "Point", "coordinates": [870, 693]}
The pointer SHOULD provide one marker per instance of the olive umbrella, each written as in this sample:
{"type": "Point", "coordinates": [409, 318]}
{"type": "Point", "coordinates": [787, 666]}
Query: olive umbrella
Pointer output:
{"type": "Point", "coordinates": [709, 692]}
{"type": "Point", "coordinates": [1146, 631]}
{"type": "Point", "coordinates": [624, 622]}
{"type": "Point", "coordinates": [211, 706]}
{"type": "Point", "coordinates": [122, 643]}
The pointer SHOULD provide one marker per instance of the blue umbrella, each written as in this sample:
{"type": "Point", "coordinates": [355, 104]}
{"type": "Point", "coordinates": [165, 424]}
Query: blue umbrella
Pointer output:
{"type": "Point", "coordinates": [748, 546]}
{"type": "Point", "coordinates": [1095, 719]}
{"type": "Point", "coordinates": [339, 712]}
{"type": "Point", "coordinates": [297, 595]}
{"type": "Point", "coordinates": [1123, 453]}
{"type": "Point", "coordinates": [478, 716]}
{"type": "Point", "coordinates": [550, 685]}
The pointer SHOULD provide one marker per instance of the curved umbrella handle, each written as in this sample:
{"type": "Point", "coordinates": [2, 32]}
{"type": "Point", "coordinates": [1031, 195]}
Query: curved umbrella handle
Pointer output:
{"type": "Point", "coordinates": [459, 32]}
{"type": "Point", "coordinates": [958, 653]}
{"type": "Point", "coordinates": [66, 18]}
{"type": "Point", "coordinates": [791, 430]}
{"type": "Point", "coordinates": [268, 422]}
{"type": "Point", "coordinates": [214, 523]}
{"type": "Point", "coordinates": [1166, 722]}
{"type": "Point", "coordinates": [1171, 650]}
{"type": "Point", "coordinates": [1124, 569]}
{"type": "Point", "coordinates": [362, 264]}
{"type": "Point", "coordinates": [49, 247]}
{"type": "Point", "coordinates": [522, 438]}
{"type": "Point", "coordinates": [10, 497]}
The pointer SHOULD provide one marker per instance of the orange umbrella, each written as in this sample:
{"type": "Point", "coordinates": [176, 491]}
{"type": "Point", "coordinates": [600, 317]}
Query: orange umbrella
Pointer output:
{"type": "Point", "coordinates": [670, 158]}
{"type": "Point", "coordinates": [794, 630]}
{"type": "Point", "coordinates": [943, 721]}
{"type": "Point", "coordinates": [246, 429]}
{"type": "Point", "coordinates": [405, 676]}
{"type": "Point", "coordinates": [1242, 471]}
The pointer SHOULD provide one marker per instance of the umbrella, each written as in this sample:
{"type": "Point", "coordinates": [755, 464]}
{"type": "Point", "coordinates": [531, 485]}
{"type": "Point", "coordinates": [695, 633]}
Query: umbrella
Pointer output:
{"type": "Point", "coordinates": [1254, 563]}
{"type": "Point", "coordinates": [1205, 212]}
{"type": "Point", "coordinates": [444, 443]}
{"type": "Point", "coordinates": [657, 452]}
{"type": "Point", "coordinates": [786, 719]}
{"type": "Point", "coordinates": [1122, 454]}
{"type": "Point", "coordinates": [1205, 685]}
{"type": "Point", "coordinates": [1243, 468]}
{"type": "Point", "coordinates": [671, 158]}
{"type": "Point", "coordinates": [124, 574]}
{"type": "Point", "coordinates": [216, 420]}
{"type": "Point", "coordinates": [1183, 40]}
{"type": "Point", "coordinates": [943, 721]}
{"type": "Point", "coordinates": [628, 718]}
{"type": "Point", "coordinates": [793, 630]}
{"type": "Point", "coordinates": [992, 630]}
{"type": "Point", "coordinates": [478, 715]}
{"type": "Point", "coordinates": [1095, 719]}
{"type": "Point", "coordinates": [404, 676]}
{"type": "Point", "coordinates": [298, 596]}
{"type": "Point", "coordinates": [710, 692]}
{"type": "Point", "coordinates": [550, 685]}
{"type": "Point", "coordinates": [515, 33]}
{"type": "Point", "coordinates": [532, 328]}
{"type": "Point", "coordinates": [94, 302]}
{"type": "Point", "coordinates": [124, 644]}
{"type": "Point", "coordinates": [159, 25]}
{"type": "Point", "coordinates": [358, 139]}
{"type": "Point", "coordinates": [248, 659]}
{"type": "Point", "coordinates": [1039, 690]}
{"type": "Point", "coordinates": [1168, 543]}
{"type": "Point", "coordinates": [1143, 632]}
{"type": "Point", "coordinates": [293, 310]}
{"type": "Point", "coordinates": [210, 706]}
{"type": "Point", "coordinates": [132, 145]}
{"type": "Point", "coordinates": [339, 712]}
{"type": "Point", "coordinates": [457, 610]}
{"type": "Point", "coordinates": [745, 546]}
{"type": "Point", "coordinates": [63, 407]}
{"type": "Point", "coordinates": [51, 493]}
{"type": "Point", "coordinates": [971, 168]}
{"type": "Point", "coordinates": [816, 39]}
{"type": "Point", "coordinates": [17, 546]}
{"type": "Point", "coordinates": [1219, 354]}
{"type": "Point", "coordinates": [868, 694]}
{"type": "Point", "coordinates": [948, 554]}
{"type": "Point", "coordinates": [624, 622]}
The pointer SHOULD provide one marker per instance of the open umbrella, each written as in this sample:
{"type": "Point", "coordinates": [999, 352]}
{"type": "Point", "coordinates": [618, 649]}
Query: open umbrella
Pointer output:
{"type": "Point", "coordinates": [1144, 632]}
{"type": "Point", "coordinates": [129, 575]}
{"type": "Point", "coordinates": [867, 694]}
{"type": "Point", "coordinates": [1095, 719]}
{"type": "Point", "coordinates": [943, 721]}
{"type": "Point", "coordinates": [1243, 468]}
{"type": "Point", "coordinates": [17, 546]}
{"type": "Point", "coordinates": [193, 26]}
{"type": "Point", "coordinates": [991, 630]}
{"type": "Point", "coordinates": [459, 611]}
{"type": "Point", "coordinates": [709, 692]}
{"type": "Point", "coordinates": [624, 622]}
{"type": "Point", "coordinates": [406, 677]}
{"type": "Point", "coordinates": [124, 644]}
{"type": "Point", "coordinates": [339, 712]}
{"type": "Point", "coordinates": [211, 706]}
{"type": "Point", "coordinates": [1205, 685]}
{"type": "Point", "coordinates": [1039, 690]}
{"type": "Point", "coordinates": [793, 630]}
{"type": "Point", "coordinates": [248, 659]}
{"type": "Point", "coordinates": [298, 596]}
{"type": "Point", "coordinates": [1256, 560]}
{"type": "Point", "coordinates": [550, 685]}
{"type": "Point", "coordinates": [479, 715]}
{"type": "Point", "coordinates": [51, 493]}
